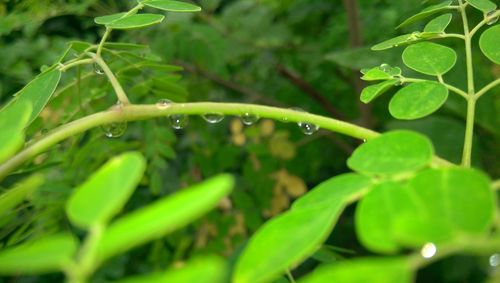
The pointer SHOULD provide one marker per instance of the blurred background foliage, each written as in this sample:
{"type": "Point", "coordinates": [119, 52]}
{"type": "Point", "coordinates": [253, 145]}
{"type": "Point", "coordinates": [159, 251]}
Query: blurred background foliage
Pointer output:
{"type": "Point", "coordinates": [288, 53]}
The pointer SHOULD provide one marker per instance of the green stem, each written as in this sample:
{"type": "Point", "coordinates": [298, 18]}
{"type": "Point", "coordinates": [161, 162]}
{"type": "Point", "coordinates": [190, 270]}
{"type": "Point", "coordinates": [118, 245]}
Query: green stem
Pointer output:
{"type": "Point", "coordinates": [120, 93]}
{"type": "Point", "coordinates": [103, 40]}
{"type": "Point", "coordinates": [86, 262]}
{"type": "Point", "coordinates": [290, 276]}
{"type": "Point", "coordinates": [469, 131]}
{"type": "Point", "coordinates": [487, 88]}
{"type": "Point", "coordinates": [63, 68]}
{"type": "Point", "coordinates": [483, 22]}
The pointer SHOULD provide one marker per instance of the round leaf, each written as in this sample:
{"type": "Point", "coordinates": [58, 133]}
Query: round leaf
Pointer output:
{"type": "Point", "coordinates": [172, 6]}
{"type": "Point", "coordinates": [490, 43]}
{"type": "Point", "coordinates": [429, 58]}
{"type": "Point", "coordinates": [418, 100]}
{"type": "Point", "coordinates": [136, 21]}
{"type": "Point", "coordinates": [392, 153]}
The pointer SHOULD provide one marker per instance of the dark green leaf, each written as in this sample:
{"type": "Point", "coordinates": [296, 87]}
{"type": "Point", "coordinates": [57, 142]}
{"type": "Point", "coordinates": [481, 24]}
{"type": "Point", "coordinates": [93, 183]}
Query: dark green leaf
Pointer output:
{"type": "Point", "coordinates": [426, 12]}
{"type": "Point", "coordinates": [13, 119]}
{"type": "Point", "coordinates": [371, 92]}
{"type": "Point", "coordinates": [418, 100]}
{"type": "Point", "coordinates": [490, 43]}
{"type": "Point", "coordinates": [429, 58]}
{"type": "Point", "coordinates": [104, 20]}
{"type": "Point", "coordinates": [136, 21]}
{"type": "Point", "coordinates": [172, 6]}
{"type": "Point", "coordinates": [105, 193]}
{"type": "Point", "coordinates": [392, 153]}
{"type": "Point", "coordinates": [439, 24]}
{"type": "Point", "coordinates": [483, 5]}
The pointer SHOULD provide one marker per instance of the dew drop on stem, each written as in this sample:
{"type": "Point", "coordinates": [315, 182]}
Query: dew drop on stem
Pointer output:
{"type": "Point", "coordinates": [249, 119]}
{"type": "Point", "coordinates": [114, 130]}
{"type": "Point", "coordinates": [178, 121]}
{"type": "Point", "coordinates": [492, 20]}
{"type": "Point", "coordinates": [428, 250]}
{"type": "Point", "coordinates": [98, 70]}
{"type": "Point", "coordinates": [163, 104]}
{"type": "Point", "coordinates": [213, 118]}
{"type": "Point", "coordinates": [308, 128]}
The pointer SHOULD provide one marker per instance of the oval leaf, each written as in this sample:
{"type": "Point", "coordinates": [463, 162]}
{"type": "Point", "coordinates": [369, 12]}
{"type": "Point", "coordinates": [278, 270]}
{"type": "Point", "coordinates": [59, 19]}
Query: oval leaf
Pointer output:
{"type": "Point", "coordinates": [369, 93]}
{"type": "Point", "coordinates": [426, 12]}
{"type": "Point", "coordinates": [429, 58]}
{"type": "Point", "coordinates": [392, 153]}
{"type": "Point", "coordinates": [104, 20]}
{"type": "Point", "coordinates": [418, 100]}
{"type": "Point", "coordinates": [172, 6]}
{"type": "Point", "coordinates": [136, 21]}
{"type": "Point", "coordinates": [439, 24]}
{"type": "Point", "coordinates": [48, 254]}
{"type": "Point", "coordinates": [13, 119]}
{"type": "Point", "coordinates": [483, 5]}
{"type": "Point", "coordinates": [490, 43]}
{"type": "Point", "coordinates": [404, 39]}
{"type": "Point", "coordinates": [105, 193]}
{"type": "Point", "coordinates": [163, 216]}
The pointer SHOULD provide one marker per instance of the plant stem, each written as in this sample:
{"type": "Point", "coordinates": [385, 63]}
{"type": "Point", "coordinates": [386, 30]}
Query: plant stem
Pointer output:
{"type": "Point", "coordinates": [290, 276]}
{"type": "Point", "coordinates": [483, 22]}
{"type": "Point", "coordinates": [469, 131]}
{"type": "Point", "coordinates": [120, 93]}
{"type": "Point", "coordinates": [103, 40]}
{"type": "Point", "coordinates": [75, 63]}
{"type": "Point", "coordinates": [85, 264]}
{"type": "Point", "coordinates": [487, 88]}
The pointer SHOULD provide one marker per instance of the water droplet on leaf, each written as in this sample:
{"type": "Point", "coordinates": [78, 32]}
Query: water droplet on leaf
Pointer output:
{"type": "Point", "coordinates": [114, 130]}
{"type": "Point", "coordinates": [493, 20]}
{"type": "Point", "coordinates": [213, 118]}
{"type": "Point", "coordinates": [98, 70]}
{"type": "Point", "coordinates": [386, 68]}
{"type": "Point", "coordinates": [428, 250]}
{"type": "Point", "coordinates": [178, 121]}
{"type": "Point", "coordinates": [494, 260]}
{"type": "Point", "coordinates": [163, 104]}
{"type": "Point", "coordinates": [308, 128]}
{"type": "Point", "coordinates": [249, 119]}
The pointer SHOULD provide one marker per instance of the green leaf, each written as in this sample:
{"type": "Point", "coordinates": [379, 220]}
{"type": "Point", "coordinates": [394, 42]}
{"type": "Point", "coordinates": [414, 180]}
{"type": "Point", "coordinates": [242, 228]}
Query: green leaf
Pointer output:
{"type": "Point", "coordinates": [429, 58]}
{"type": "Point", "coordinates": [373, 270]}
{"type": "Point", "coordinates": [208, 269]}
{"type": "Point", "coordinates": [125, 46]}
{"type": "Point", "coordinates": [285, 241]}
{"type": "Point", "coordinates": [172, 6]}
{"type": "Point", "coordinates": [418, 100]}
{"type": "Point", "coordinates": [485, 6]}
{"type": "Point", "coordinates": [136, 21]}
{"type": "Point", "coordinates": [369, 93]}
{"type": "Point", "coordinates": [489, 42]}
{"type": "Point", "coordinates": [13, 197]}
{"type": "Point", "coordinates": [48, 254]}
{"type": "Point", "coordinates": [439, 24]}
{"type": "Point", "coordinates": [163, 216]}
{"type": "Point", "coordinates": [79, 46]}
{"type": "Point", "coordinates": [104, 20]}
{"type": "Point", "coordinates": [404, 40]}
{"type": "Point", "coordinates": [443, 205]}
{"type": "Point", "coordinates": [105, 193]}
{"type": "Point", "coordinates": [392, 153]}
{"type": "Point", "coordinates": [345, 188]}
{"type": "Point", "coordinates": [13, 119]}
{"type": "Point", "coordinates": [375, 215]}
{"type": "Point", "coordinates": [426, 12]}
{"type": "Point", "coordinates": [38, 91]}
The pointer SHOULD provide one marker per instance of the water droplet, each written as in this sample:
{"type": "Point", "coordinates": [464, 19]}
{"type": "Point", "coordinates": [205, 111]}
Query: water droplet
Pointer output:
{"type": "Point", "coordinates": [308, 128]}
{"type": "Point", "coordinates": [398, 83]}
{"type": "Point", "coordinates": [98, 70]}
{"type": "Point", "coordinates": [386, 68]}
{"type": "Point", "coordinates": [249, 119]}
{"type": "Point", "coordinates": [494, 260]}
{"type": "Point", "coordinates": [213, 118]}
{"type": "Point", "coordinates": [364, 140]}
{"type": "Point", "coordinates": [163, 104]}
{"type": "Point", "coordinates": [414, 35]}
{"type": "Point", "coordinates": [178, 121]}
{"type": "Point", "coordinates": [428, 250]}
{"type": "Point", "coordinates": [114, 130]}
{"type": "Point", "coordinates": [491, 20]}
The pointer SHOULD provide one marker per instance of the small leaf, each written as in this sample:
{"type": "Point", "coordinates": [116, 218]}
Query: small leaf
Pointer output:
{"type": "Point", "coordinates": [136, 21]}
{"type": "Point", "coordinates": [163, 216]}
{"type": "Point", "coordinates": [371, 92]}
{"type": "Point", "coordinates": [104, 20]}
{"type": "Point", "coordinates": [48, 254]}
{"type": "Point", "coordinates": [429, 58]}
{"type": "Point", "coordinates": [483, 5]}
{"type": "Point", "coordinates": [405, 39]}
{"type": "Point", "coordinates": [285, 241]}
{"type": "Point", "coordinates": [345, 187]}
{"type": "Point", "coordinates": [418, 100]}
{"type": "Point", "coordinates": [13, 119]}
{"type": "Point", "coordinates": [426, 12]}
{"type": "Point", "coordinates": [105, 193]}
{"type": "Point", "coordinates": [172, 6]}
{"type": "Point", "coordinates": [79, 46]}
{"type": "Point", "coordinates": [490, 43]}
{"type": "Point", "coordinates": [373, 270]}
{"type": "Point", "coordinates": [392, 153]}
{"type": "Point", "coordinates": [376, 74]}
{"type": "Point", "coordinates": [439, 24]}
{"type": "Point", "coordinates": [13, 197]}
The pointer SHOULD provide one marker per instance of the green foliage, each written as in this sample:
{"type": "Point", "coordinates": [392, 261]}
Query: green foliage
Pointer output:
{"type": "Point", "coordinates": [489, 43]}
{"type": "Point", "coordinates": [429, 58]}
{"type": "Point", "coordinates": [13, 120]}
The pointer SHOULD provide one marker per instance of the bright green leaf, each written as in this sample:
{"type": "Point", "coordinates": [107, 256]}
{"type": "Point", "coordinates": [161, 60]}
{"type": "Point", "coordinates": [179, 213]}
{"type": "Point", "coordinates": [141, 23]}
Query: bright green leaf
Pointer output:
{"type": "Point", "coordinates": [426, 12]}
{"type": "Point", "coordinates": [47, 254]}
{"type": "Point", "coordinates": [104, 20]}
{"type": "Point", "coordinates": [418, 100]}
{"type": "Point", "coordinates": [208, 269]}
{"type": "Point", "coordinates": [172, 6]}
{"type": "Point", "coordinates": [439, 24]}
{"type": "Point", "coordinates": [373, 270]}
{"type": "Point", "coordinates": [391, 153]}
{"type": "Point", "coordinates": [19, 193]}
{"type": "Point", "coordinates": [483, 5]}
{"type": "Point", "coordinates": [429, 58]}
{"type": "Point", "coordinates": [13, 119]}
{"type": "Point", "coordinates": [490, 43]}
{"type": "Point", "coordinates": [369, 93]}
{"type": "Point", "coordinates": [136, 21]}
{"type": "Point", "coordinates": [285, 241]}
{"type": "Point", "coordinates": [163, 216]}
{"type": "Point", "coordinates": [105, 193]}
{"type": "Point", "coordinates": [345, 187]}
{"type": "Point", "coordinates": [376, 74]}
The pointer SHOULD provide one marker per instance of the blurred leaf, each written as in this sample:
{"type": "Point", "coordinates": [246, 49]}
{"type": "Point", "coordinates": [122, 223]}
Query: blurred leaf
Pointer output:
{"type": "Point", "coordinates": [369, 93]}
{"type": "Point", "coordinates": [104, 20]}
{"type": "Point", "coordinates": [426, 12]}
{"type": "Point", "coordinates": [418, 100]}
{"type": "Point", "coordinates": [391, 153]}
{"type": "Point", "coordinates": [163, 216]}
{"type": "Point", "coordinates": [439, 24]}
{"type": "Point", "coordinates": [125, 46]}
{"type": "Point", "coordinates": [105, 193]}
{"type": "Point", "coordinates": [483, 5]}
{"type": "Point", "coordinates": [376, 74]}
{"type": "Point", "coordinates": [429, 58]}
{"type": "Point", "coordinates": [13, 197]}
{"type": "Point", "coordinates": [489, 42]}
{"type": "Point", "coordinates": [79, 46]}
{"type": "Point", "coordinates": [13, 119]}
{"type": "Point", "coordinates": [172, 6]}
{"type": "Point", "coordinates": [48, 254]}
{"type": "Point", "coordinates": [136, 21]}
